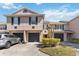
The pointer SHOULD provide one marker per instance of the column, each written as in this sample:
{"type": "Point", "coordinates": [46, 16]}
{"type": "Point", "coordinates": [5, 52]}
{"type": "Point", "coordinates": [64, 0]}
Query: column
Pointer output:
{"type": "Point", "coordinates": [25, 39]}
{"type": "Point", "coordinates": [53, 33]}
{"type": "Point", "coordinates": [65, 36]}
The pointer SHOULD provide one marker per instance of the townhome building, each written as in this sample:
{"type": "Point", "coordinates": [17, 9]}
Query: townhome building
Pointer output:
{"type": "Point", "coordinates": [60, 30]}
{"type": "Point", "coordinates": [65, 30]}
{"type": "Point", "coordinates": [26, 24]}
{"type": "Point", "coordinates": [30, 26]}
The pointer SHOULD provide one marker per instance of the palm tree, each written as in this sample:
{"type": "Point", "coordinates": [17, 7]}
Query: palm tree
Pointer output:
{"type": "Point", "coordinates": [50, 31]}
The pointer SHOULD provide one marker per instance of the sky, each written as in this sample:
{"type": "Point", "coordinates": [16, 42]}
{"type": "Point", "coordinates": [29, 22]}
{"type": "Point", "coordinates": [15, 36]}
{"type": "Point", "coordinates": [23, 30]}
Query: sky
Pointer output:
{"type": "Point", "coordinates": [54, 12]}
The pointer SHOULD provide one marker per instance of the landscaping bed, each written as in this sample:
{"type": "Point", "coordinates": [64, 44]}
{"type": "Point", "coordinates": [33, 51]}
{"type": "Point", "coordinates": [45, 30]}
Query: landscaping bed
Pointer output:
{"type": "Point", "coordinates": [74, 40]}
{"type": "Point", "coordinates": [59, 51]}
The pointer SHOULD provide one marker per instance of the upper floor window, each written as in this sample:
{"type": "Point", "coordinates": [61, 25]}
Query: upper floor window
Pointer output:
{"type": "Point", "coordinates": [15, 20]}
{"type": "Point", "coordinates": [33, 20]}
{"type": "Point", "coordinates": [62, 27]}
{"type": "Point", "coordinates": [59, 27]}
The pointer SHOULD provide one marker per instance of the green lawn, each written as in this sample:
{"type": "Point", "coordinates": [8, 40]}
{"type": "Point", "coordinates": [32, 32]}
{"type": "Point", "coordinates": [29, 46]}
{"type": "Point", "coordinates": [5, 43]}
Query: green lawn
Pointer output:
{"type": "Point", "coordinates": [59, 51]}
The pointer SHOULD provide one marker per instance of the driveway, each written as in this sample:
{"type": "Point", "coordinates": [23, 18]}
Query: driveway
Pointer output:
{"type": "Point", "coordinates": [71, 44]}
{"type": "Point", "coordinates": [29, 49]}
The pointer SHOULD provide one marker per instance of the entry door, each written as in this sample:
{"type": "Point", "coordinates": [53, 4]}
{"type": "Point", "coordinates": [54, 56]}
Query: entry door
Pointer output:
{"type": "Point", "coordinates": [59, 35]}
{"type": "Point", "coordinates": [33, 37]}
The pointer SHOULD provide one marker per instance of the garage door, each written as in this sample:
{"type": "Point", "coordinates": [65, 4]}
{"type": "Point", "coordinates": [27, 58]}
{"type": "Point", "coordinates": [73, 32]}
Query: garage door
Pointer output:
{"type": "Point", "coordinates": [33, 37]}
{"type": "Point", "coordinates": [59, 35]}
{"type": "Point", "coordinates": [19, 35]}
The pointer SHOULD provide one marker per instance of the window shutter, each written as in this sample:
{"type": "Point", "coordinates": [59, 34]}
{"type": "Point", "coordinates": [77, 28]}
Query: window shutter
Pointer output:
{"type": "Point", "coordinates": [18, 20]}
{"type": "Point", "coordinates": [36, 20]}
{"type": "Point", "coordinates": [29, 20]}
{"type": "Point", "coordinates": [12, 20]}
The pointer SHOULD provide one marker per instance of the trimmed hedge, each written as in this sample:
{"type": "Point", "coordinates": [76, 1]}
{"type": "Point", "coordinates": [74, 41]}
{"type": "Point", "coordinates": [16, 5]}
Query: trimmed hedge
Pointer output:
{"type": "Point", "coordinates": [50, 41]}
{"type": "Point", "coordinates": [74, 40]}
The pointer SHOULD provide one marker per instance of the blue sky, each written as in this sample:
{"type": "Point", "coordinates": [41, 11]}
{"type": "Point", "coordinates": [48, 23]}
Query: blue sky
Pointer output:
{"type": "Point", "coordinates": [53, 11]}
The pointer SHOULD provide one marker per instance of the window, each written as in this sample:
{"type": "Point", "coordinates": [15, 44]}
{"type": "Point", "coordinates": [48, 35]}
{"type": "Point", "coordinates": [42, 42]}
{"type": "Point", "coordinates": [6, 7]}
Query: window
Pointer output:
{"type": "Point", "coordinates": [62, 27]}
{"type": "Point", "coordinates": [56, 26]}
{"type": "Point", "coordinates": [33, 20]}
{"type": "Point", "coordinates": [0, 36]}
{"type": "Point", "coordinates": [15, 20]}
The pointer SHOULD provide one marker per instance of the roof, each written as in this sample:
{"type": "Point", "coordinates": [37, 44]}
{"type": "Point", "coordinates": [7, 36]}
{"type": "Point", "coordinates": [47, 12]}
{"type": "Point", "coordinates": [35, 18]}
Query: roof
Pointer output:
{"type": "Point", "coordinates": [73, 19]}
{"type": "Point", "coordinates": [3, 23]}
{"type": "Point", "coordinates": [69, 31]}
{"type": "Point", "coordinates": [25, 9]}
{"type": "Point", "coordinates": [54, 23]}
{"type": "Point", "coordinates": [27, 13]}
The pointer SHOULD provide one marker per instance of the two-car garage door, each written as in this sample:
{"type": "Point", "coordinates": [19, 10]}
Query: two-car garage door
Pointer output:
{"type": "Point", "coordinates": [33, 37]}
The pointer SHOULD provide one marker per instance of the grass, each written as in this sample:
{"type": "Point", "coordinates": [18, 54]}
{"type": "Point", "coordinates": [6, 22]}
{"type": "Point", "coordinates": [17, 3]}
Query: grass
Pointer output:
{"type": "Point", "coordinates": [59, 51]}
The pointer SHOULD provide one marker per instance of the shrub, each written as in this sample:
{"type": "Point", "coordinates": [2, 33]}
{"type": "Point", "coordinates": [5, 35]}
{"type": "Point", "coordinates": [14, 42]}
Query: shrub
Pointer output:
{"type": "Point", "coordinates": [59, 51]}
{"type": "Point", "coordinates": [50, 41]}
{"type": "Point", "coordinates": [74, 40]}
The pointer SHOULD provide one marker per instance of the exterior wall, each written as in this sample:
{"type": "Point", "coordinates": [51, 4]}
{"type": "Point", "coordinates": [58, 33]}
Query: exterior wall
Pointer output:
{"type": "Point", "coordinates": [74, 26]}
{"type": "Point", "coordinates": [66, 26]}
{"type": "Point", "coordinates": [24, 25]}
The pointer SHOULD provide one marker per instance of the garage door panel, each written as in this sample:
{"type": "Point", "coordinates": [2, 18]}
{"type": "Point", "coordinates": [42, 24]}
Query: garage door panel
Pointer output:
{"type": "Point", "coordinates": [19, 35]}
{"type": "Point", "coordinates": [33, 37]}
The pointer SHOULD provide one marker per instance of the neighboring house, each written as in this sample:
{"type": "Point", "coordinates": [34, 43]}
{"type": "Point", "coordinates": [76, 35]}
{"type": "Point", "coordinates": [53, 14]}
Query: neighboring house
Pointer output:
{"type": "Point", "coordinates": [26, 24]}
{"type": "Point", "coordinates": [60, 30]}
{"type": "Point", "coordinates": [64, 29]}
{"type": "Point", "coordinates": [3, 26]}
{"type": "Point", "coordinates": [74, 26]}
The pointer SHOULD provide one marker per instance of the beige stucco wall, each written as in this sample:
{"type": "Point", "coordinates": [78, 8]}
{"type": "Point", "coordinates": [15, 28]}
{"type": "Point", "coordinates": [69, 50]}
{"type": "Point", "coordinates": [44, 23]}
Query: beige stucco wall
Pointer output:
{"type": "Point", "coordinates": [74, 26]}
{"type": "Point", "coordinates": [25, 24]}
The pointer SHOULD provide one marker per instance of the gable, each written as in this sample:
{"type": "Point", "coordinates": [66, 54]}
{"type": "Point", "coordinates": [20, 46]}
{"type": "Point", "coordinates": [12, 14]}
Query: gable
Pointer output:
{"type": "Point", "coordinates": [24, 11]}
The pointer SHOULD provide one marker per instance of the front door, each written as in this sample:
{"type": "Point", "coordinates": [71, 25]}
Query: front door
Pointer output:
{"type": "Point", "coordinates": [33, 37]}
{"type": "Point", "coordinates": [59, 35]}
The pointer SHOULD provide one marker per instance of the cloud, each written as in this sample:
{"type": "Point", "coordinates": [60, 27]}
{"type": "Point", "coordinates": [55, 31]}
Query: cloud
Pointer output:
{"type": "Point", "coordinates": [9, 6]}
{"type": "Point", "coordinates": [38, 3]}
{"type": "Point", "coordinates": [61, 14]}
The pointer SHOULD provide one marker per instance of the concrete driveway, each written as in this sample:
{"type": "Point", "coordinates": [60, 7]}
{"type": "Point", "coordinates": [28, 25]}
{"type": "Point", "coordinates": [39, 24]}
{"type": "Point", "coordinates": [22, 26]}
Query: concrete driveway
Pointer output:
{"type": "Point", "coordinates": [29, 49]}
{"type": "Point", "coordinates": [71, 44]}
